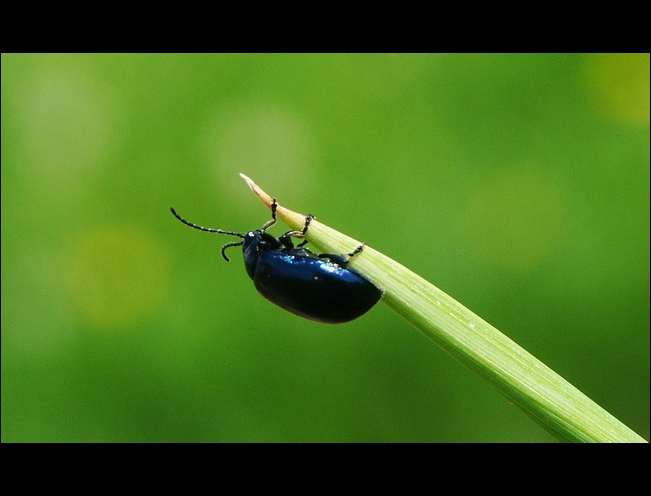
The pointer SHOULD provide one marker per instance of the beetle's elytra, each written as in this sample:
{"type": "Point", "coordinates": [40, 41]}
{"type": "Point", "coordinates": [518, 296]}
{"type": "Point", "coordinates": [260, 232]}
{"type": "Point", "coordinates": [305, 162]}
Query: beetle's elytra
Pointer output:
{"type": "Point", "coordinates": [318, 287]}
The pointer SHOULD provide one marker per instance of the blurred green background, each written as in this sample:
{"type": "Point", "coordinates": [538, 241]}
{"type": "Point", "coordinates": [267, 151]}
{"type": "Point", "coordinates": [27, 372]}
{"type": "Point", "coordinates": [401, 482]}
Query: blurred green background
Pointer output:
{"type": "Point", "coordinates": [518, 184]}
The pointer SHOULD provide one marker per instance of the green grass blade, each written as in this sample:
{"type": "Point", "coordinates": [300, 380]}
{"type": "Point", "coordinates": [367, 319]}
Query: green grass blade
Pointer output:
{"type": "Point", "coordinates": [545, 396]}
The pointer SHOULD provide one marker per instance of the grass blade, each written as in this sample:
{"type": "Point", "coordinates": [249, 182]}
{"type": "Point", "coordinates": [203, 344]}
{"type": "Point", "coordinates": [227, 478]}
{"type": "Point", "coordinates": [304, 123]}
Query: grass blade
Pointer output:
{"type": "Point", "coordinates": [545, 396]}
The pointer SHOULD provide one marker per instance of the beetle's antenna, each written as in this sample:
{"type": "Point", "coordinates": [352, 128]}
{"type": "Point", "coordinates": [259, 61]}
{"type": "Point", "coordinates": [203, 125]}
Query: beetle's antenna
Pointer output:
{"type": "Point", "coordinates": [208, 229]}
{"type": "Point", "coordinates": [228, 245]}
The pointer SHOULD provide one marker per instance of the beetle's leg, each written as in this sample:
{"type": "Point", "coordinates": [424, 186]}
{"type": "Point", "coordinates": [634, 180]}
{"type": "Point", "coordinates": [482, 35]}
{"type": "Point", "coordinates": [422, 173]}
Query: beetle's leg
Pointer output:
{"type": "Point", "coordinates": [341, 259]}
{"type": "Point", "coordinates": [338, 259]}
{"type": "Point", "coordinates": [308, 219]}
{"type": "Point", "coordinates": [269, 223]}
{"type": "Point", "coordinates": [357, 250]}
{"type": "Point", "coordinates": [285, 239]}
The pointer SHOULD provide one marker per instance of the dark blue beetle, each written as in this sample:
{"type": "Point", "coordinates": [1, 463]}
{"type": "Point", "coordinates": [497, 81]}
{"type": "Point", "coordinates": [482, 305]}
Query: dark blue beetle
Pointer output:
{"type": "Point", "coordinates": [318, 287]}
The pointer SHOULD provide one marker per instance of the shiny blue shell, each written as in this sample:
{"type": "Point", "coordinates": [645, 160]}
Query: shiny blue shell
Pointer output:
{"type": "Point", "coordinates": [318, 287]}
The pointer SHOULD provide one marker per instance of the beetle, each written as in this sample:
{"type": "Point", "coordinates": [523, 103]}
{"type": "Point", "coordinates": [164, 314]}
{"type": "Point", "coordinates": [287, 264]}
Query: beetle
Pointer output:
{"type": "Point", "coordinates": [320, 287]}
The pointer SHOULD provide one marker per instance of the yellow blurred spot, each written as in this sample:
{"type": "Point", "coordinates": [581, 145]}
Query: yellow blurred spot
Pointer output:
{"type": "Point", "coordinates": [515, 218]}
{"type": "Point", "coordinates": [619, 83]}
{"type": "Point", "coordinates": [118, 276]}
